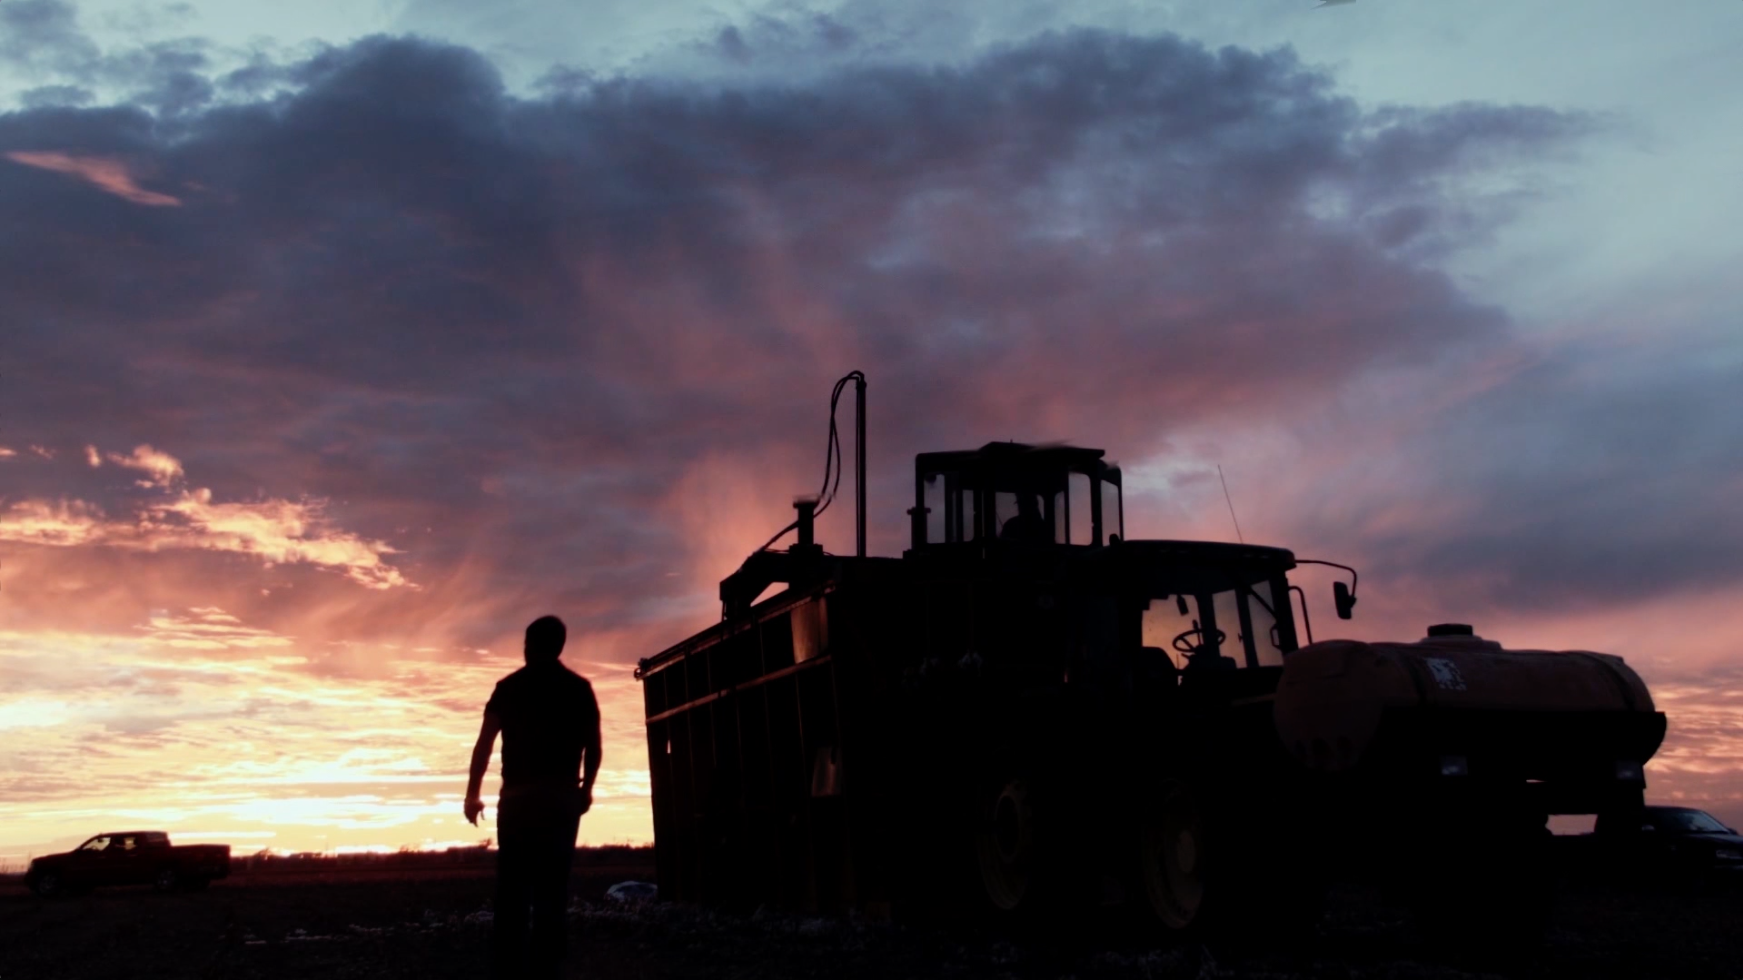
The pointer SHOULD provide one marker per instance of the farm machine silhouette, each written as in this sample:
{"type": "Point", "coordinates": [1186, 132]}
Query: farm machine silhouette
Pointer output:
{"type": "Point", "coordinates": [1028, 714]}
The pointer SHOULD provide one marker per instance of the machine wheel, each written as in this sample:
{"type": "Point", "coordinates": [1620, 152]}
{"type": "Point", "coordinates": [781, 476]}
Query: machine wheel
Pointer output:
{"type": "Point", "coordinates": [1005, 845]}
{"type": "Point", "coordinates": [49, 884]}
{"type": "Point", "coordinates": [1171, 856]}
{"type": "Point", "coordinates": [166, 880]}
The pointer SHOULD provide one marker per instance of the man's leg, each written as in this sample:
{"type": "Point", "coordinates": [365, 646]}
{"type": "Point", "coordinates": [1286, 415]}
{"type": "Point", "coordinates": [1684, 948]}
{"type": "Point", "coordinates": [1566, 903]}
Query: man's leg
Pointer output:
{"type": "Point", "coordinates": [550, 896]}
{"type": "Point", "coordinates": [516, 859]}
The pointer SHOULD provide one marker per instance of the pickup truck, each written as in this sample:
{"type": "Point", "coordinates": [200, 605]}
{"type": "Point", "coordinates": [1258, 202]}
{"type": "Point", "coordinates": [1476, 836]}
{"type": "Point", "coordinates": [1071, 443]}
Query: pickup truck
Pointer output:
{"type": "Point", "coordinates": [137, 857]}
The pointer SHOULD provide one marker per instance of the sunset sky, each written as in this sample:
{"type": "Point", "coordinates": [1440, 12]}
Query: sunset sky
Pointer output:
{"type": "Point", "coordinates": [339, 340]}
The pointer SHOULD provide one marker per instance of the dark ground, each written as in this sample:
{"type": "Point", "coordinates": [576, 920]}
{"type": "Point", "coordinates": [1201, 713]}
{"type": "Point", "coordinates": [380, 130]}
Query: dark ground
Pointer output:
{"type": "Point", "coordinates": [433, 923]}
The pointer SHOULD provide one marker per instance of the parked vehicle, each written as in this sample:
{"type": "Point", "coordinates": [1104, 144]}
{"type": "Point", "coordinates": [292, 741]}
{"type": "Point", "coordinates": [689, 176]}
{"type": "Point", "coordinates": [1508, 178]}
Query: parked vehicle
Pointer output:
{"type": "Point", "coordinates": [1667, 841]}
{"type": "Point", "coordinates": [135, 857]}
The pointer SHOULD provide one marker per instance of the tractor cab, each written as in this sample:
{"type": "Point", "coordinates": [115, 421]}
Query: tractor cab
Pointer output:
{"type": "Point", "coordinates": [1204, 606]}
{"type": "Point", "coordinates": [1008, 494]}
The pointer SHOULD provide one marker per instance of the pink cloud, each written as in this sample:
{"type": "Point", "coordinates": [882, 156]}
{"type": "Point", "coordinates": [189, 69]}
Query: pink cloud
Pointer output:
{"type": "Point", "coordinates": [209, 628]}
{"type": "Point", "coordinates": [108, 175]}
{"type": "Point", "coordinates": [162, 467]}
{"type": "Point", "coordinates": [64, 523]}
{"type": "Point", "coordinates": [274, 530]}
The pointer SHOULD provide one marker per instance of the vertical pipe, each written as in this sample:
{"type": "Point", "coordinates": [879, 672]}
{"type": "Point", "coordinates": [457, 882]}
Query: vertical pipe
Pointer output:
{"type": "Point", "coordinates": [859, 463]}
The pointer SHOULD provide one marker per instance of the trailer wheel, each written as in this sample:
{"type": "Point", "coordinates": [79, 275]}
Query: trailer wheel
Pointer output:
{"type": "Point", "coordinates": [1004, 843]}
{"type": "Point", "coordinates": [166, 881]}
{"type": "Point", "coordinates": [1171, 856]}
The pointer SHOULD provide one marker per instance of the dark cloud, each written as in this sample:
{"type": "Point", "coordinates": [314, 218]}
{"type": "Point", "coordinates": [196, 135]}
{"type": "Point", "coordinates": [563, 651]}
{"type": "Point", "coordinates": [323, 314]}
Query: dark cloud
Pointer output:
{"type": "Point", "coordinates": [570, 334]}
{"type": "Point", "coordinates": [1583, 477]}
{"type": "Point", "coordinates": [45, 39]}
{"type": "Point", "coordinates": [44, 96]}
{"type": "Point", "coordinates": [44, 35]}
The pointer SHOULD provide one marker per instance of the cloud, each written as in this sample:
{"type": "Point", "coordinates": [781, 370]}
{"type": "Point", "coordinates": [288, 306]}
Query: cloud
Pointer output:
{"type": "Point", "coordinates": [570, 351]}
{"type": "Point", "coordinates": [175, 517]}
{"type": "Point", "coordinates": [524, 321]}
{"type": "Point", "coordinates": [43, 35]}
{"type": "Point", "coordinates": [404, 286]}
{"type": "Point", "coordinates": [161, 467]}
{"type": "Point", "coordinates": [209, 628]}
{"type": "Point", "coordinates": [6, 453]}
{"type": "Point", "coordinates": [62, 523]}
{"type": "Point", "coordinates": [110, 176]}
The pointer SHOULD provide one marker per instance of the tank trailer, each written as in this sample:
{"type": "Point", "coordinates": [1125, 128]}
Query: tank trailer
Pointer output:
{"type": "Point", "coordinates": [1028, 713]}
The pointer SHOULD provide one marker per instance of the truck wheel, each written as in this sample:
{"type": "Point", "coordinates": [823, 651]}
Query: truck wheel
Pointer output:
{"type": "Point", "coordinates": [166, 881]}
{"type": "Point", "coordinates": [1004, 844]}
{"type": "Point", "coordinates": [49, 885]}
{"type": "Point", "coordinates": [1171, 856]}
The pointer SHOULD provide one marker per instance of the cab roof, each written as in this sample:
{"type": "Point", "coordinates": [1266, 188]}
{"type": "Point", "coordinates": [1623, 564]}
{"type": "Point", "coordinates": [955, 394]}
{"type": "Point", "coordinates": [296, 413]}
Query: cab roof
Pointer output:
{"type": "Point", "coordinates": [1010, 453]}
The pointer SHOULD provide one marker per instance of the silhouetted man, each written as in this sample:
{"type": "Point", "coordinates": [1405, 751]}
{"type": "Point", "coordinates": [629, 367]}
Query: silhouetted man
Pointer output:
{"type": "Point", "coordinates": [549, 722]}
{"type": "Point", "coordinates": [1028, 526]}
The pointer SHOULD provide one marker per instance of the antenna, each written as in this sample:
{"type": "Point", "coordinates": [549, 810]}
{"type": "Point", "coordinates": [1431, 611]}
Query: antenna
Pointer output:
{"type": "Point", "coordinates": [1231, 503]}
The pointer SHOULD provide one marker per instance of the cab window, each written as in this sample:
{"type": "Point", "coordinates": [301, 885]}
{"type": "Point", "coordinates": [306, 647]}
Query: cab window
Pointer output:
{"type": "Point", "coordinates": [1209, 631]}
{"type": "Point", "coordinates": [1267, 635]}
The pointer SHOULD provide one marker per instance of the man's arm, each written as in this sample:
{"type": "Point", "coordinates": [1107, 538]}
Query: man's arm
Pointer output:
{"type": "Point", "coordinates": [481, 762]}
{"type": "Point", "coordinates": [590, 758]}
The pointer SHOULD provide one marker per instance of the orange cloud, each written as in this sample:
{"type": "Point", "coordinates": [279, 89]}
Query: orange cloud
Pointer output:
{"type": "Point", "coordinates": [277, 531]}
{"type": "Point", "coordinates": [6, 453]}
{"type": "Point", "coordinates": [209, 628]}
{"type": "Point", "coordinates": [105, 174]}
{"type": "Point", "coordinates": [64, 523]}
{"type": "Point", "coordinates": [162, 467]}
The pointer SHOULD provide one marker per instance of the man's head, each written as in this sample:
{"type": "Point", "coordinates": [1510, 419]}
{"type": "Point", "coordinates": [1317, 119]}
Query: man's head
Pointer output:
{"type": "Point", "coordinates": [545, 637]}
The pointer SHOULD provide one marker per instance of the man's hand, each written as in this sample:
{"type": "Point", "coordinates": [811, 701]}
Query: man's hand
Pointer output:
{"type": "Point", "coordinates": [474, 806]}
{"type": "Point", "coordinates": [583, 799]}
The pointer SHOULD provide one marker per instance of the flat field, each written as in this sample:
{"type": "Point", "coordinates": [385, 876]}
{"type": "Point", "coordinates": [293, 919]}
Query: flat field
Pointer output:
{"type": "Point", "coordinates": [433, 922]}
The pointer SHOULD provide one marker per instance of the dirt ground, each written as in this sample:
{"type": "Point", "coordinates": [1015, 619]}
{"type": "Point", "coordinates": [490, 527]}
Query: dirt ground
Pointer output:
{"type": "Point", "coordinates": [433, 925]}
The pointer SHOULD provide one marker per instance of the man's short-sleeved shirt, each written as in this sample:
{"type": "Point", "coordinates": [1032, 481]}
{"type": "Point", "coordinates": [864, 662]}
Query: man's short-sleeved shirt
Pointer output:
{"type": "Point", "coordinates": [549, 716]}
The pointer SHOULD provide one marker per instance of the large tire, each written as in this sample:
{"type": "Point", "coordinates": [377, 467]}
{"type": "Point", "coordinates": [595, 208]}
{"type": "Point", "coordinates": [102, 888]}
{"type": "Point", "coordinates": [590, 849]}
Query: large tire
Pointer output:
{"type": "Point", "coordinates": [1215, 874]}
{"type": "Point", "coordinates": [1171, 858]}
{"type": "Point", "coordinates": [50, 884]}
{"type": "Point", "coordinates": [166, 880]}
{"type": "Point", "coordinates": [1006, 845]}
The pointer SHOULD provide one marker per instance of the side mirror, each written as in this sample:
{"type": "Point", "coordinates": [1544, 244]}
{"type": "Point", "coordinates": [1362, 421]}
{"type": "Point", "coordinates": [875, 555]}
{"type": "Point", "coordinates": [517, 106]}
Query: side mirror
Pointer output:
{"type": "Point", "coordinates": [1346, 602]}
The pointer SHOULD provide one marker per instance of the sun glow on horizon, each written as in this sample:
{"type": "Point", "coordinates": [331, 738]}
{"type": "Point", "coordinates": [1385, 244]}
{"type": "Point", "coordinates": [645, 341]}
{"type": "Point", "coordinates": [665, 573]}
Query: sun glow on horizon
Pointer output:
{"type": "Point", "coordinates": [150, 730]}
